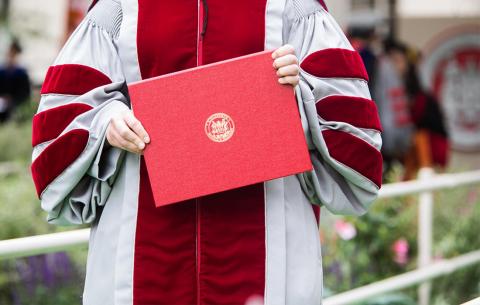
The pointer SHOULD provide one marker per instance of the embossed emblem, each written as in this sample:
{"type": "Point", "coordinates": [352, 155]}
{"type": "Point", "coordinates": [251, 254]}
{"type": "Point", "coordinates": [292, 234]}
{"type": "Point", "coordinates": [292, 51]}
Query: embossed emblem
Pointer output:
{"type": "Point", "coordinates": [219, 127]}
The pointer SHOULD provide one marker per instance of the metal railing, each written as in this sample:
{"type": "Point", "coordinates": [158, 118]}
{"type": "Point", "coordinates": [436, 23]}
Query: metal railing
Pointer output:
{"type": "Point", "coordinates": [41, 244]}
{"type": "Point", "coordinates": [405, 280]}
{"type": "Point", "coordinates": [425, 185]}
{"type": "Point", "coordinates": [473, 302]}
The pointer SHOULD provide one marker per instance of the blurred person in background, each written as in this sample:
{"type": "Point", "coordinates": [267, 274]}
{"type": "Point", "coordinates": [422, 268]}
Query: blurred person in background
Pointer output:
{"type": "Point", "coordinates": [14, 83]}
{"type": "Point", "coordinates": [393, 104]}
{"type": "Point", "coordinates": [363, 40]}
{"type": "Point", "coordinates": [430, 139]}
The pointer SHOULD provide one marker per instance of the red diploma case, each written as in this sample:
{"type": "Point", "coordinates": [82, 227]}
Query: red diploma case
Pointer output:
{"type": "Point", "coordinates": [217, 127]}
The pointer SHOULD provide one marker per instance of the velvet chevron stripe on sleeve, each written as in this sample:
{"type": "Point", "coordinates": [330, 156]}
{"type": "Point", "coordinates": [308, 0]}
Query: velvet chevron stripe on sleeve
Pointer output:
{"type": "Point", "coordinates": [50, 123]}
{"type": "Point", "coordinates": [57, 157]}
{"type": "Point", "coordinates": [355, 153]}
{"type": "Point", "coordinates": [73, 79]}
{"type": "Point", "coordinates": [335, 62]}
{"type": "Point", "coordinates": [353, 110]}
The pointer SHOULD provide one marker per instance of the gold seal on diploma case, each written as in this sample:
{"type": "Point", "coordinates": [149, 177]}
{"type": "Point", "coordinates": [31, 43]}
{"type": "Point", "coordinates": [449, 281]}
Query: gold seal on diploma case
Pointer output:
{"type": "Point", "coordinates": [219, 127]}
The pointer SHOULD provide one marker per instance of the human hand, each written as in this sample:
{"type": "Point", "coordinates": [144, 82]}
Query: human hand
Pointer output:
{"type": "Point", "coordinates": [286, 63]}
{"type": "Point", "coordinates": [126, 132]}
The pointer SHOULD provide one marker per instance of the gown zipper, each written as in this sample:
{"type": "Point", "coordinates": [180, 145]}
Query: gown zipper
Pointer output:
{"type": "Point", "coordinates": [197, 242]}
{"type": "Point", "coordinates": [202, 24]}
{"type": "Point", "coordinates": [197, 212]}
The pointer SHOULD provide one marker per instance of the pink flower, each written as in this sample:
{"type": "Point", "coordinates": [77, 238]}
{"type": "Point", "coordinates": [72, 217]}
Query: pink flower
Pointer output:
{"type": "Point", "coordinates": [400, 249]}
{"type": "Point", "coordinates": [254, 300]}
{"type": "Point", "coordinates": [438, 258]}
{"type": "Point", "coordinates": [344, 229]}
{"type": "Point", "coordinates": [472, 196]}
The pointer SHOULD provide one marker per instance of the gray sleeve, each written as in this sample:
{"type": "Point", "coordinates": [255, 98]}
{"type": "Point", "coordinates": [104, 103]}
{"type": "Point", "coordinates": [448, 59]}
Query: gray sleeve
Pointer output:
{"type": "Point", "coordinates": [344, 144]}
{"type": "Point", "coordinates": [73, 166]}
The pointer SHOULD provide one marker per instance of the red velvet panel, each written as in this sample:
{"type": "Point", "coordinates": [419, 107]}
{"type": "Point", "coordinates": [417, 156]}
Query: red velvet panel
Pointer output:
{"type": "Point", "coordinates": [227, 229]}
{"type": "Point", "coordinates": [234, 29]}
{"type": "Point", "coordinates": [232, 224]}
{"type": "Point", "coordinates": [356, 111]}
{"type": "Point", "coordinates": [165, 250]}
{"type": "Point", "coordinates": [165, 243]}
{"type": "Point", "coordinates": [335, 63]}
{"type": "Point", "coordinates": [166, 36]}
{"type": "Point", "coordinates": [232, 246]}
{"type": "Point", "coordinates": [57, 157]}
{"type": "Point", "coordinates": [355, 153]}
{"type": "Point", "coordinates": [73, 79]}
{"type": "Point", "coordinates": [49, 124]}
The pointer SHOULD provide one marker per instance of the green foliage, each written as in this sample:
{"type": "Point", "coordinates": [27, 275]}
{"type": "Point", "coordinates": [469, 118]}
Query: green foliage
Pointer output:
{"type": "Point", "coordinates": [20, 214]}
{"type": "Point", "coordinates": [43, 280]}
{"type": "Point", "coordinates": [370, 257]}
{"type": "Point", "coordinates": [20, 209]}
{"type": "Point", "coordinates": [456, 232]}
{"type": "Point", "coordinates": [15, 143]}
{"type": "Point", "coordinates": [391, 299]}
{"type": "Point", "coordinates": [24, 112]}
{"type": "Point", "coordinates": [53, 279]}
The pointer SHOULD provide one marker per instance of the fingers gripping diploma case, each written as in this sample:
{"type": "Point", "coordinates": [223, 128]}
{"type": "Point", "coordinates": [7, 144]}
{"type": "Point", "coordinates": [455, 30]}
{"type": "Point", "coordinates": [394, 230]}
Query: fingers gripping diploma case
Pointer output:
{"type": "Point", "coordinates": [217, 127]}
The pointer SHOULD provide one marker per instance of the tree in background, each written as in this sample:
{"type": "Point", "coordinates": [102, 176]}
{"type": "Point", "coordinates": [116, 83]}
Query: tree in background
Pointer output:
{"type": "Point", "coordinates": [5, 4]}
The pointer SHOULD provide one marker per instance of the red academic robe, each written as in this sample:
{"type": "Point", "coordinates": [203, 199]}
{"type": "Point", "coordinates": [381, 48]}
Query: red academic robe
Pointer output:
{"type": "Point", "coordinates": [258, 242]}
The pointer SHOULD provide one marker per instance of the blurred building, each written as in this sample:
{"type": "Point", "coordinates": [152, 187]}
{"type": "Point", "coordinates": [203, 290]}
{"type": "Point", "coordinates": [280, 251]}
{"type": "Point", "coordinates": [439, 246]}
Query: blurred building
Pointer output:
{"type": "Point", "coordinates": [42, 27]}
{"type": "Point", "coordinates": [417, 21]}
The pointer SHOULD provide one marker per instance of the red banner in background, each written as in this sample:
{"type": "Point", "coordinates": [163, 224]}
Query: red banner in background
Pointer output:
{"type": "Point", "coordinates": [452, 71]}
{"type": "Point", "coordinates": [76, 11]}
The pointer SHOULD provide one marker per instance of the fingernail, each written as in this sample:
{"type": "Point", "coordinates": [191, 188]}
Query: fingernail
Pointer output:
{"type": "Point", "coordinates": [274, 54]}
{"type": "Point", "coordinates": [146, 140]}
{"type": "Point", "coordinates": [141, 145]}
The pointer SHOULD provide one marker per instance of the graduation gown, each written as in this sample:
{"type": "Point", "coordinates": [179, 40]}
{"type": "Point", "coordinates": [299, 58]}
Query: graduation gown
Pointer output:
{"type": "Point", "coordinates": [258, 242]}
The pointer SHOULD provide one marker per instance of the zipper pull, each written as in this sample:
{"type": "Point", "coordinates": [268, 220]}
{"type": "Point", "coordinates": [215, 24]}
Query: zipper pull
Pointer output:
{"type": "Point", "coordinates": [205, 17]}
